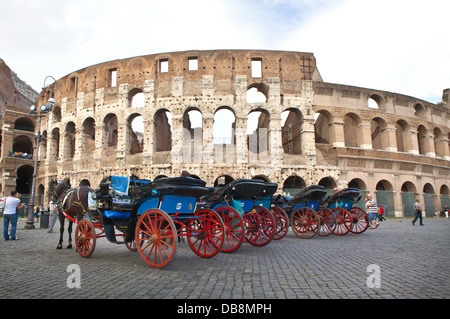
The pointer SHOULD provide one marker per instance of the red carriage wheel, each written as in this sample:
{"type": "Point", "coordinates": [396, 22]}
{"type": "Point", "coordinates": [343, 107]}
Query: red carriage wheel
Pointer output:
{"type": "Point", "coordinates": [305, 222]}
{"type": "Point", "coordinates": [205, 233]}
{"type": "Point", "coordinates": [343, 221]}
{"type": "Point", "coordinates": [131, 245]}
{"type": "Point", "coordinates": [282, 222]}
{"type": "Point", "coordinates": [85, 238]}
{"type": "Point", "coordinates": [327, 222]}
{"type": "Point", "coordinates": [234, 228]}
{"type": "Point", "coordinates": [360, 220]}
{"type": "Point", "coordinates": [259, 226]}
{"type": "Point", "coordinates": [156, 238]}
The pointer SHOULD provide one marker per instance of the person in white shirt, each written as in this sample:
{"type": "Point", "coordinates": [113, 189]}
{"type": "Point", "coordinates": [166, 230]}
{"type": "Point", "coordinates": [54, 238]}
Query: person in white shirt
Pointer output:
{"type": "Point", "coordinates": [11, 215]}
{"type": "Point", "coordinates": [372, 211]}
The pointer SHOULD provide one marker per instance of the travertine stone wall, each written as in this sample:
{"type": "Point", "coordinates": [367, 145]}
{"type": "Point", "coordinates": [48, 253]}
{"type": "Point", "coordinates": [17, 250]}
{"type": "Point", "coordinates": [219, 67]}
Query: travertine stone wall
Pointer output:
{"type": "Point", "coordinates": [331, 135]}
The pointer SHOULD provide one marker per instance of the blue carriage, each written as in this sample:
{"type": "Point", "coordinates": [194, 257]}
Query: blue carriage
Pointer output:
{"type": "Point", "coordinates": [349, 218]}
{"type": "Point", "coordinates": [154, 215]}
{"type": "Point", "coordinates": [241, 205]}
{"type": "Point", "coordinates": [305, 221]}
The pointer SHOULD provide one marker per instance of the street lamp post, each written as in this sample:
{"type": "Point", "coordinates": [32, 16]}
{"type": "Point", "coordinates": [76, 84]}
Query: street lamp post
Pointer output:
{"type": "Point", "coordinates": [45, 108]}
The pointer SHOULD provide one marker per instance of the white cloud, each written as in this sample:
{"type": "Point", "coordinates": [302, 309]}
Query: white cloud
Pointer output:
{"type": "Point", "coordinates": [393, 45]}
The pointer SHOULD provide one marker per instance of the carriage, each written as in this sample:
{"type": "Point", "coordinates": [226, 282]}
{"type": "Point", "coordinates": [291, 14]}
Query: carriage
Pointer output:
{"type": "Point", "coordinates": [348, 217]}
{"type": "Point", "coordinates": [244, 205]}
{"type": "Point", "coordinates": [151, 217]}
{"type": "Point", "coordinates": [305, 219]}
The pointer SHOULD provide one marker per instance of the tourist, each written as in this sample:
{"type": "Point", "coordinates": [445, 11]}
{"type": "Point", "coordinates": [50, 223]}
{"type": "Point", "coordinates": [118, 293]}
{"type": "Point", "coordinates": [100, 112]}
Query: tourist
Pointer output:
{"type": "Point", "coordinates": [53, 215]}
{"type": "Point", "coordinates": [10, 215]}
{"type": "Point", "coordinates": [372, 210]}
{"type": "Point", "coordinates": [417, 212]}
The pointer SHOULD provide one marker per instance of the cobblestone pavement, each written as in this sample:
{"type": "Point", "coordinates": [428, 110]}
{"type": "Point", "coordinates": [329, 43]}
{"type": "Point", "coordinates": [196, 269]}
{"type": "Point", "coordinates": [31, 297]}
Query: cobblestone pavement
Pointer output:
{"type": "Point", "coordinates": [411, 261]}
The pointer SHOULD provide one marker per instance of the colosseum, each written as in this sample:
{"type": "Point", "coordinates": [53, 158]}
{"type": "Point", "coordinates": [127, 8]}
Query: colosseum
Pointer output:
{"type": "Point", "coordinates": [229, 114]}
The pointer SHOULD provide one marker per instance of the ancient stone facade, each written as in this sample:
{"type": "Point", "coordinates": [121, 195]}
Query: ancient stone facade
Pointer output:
{"type": "Point", "coordinates": [16, 133]}
{"type": "Point", "coordinates": [195, 108]}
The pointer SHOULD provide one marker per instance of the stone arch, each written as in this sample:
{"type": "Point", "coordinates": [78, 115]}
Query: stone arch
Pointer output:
{"type": "Point", "coordinates": [422, 135]}
{"type": "Point", "coordinates": [328, 182]}
{"type": "Point", "coordinates": [409, 187]}
{"type": "Point", "coordinates": [56, 114]}
{"type": "Point", "coordinates": [380, 139]}
{"type": "Point", "coordinates": [110, 130]}
{"type": "Point", "coordinates": [162, 131]}
{"type": "Point", "coordinates": [224, 126]}
{"type": "Point", "coordinates": [403, 136]}
{"type": "Point", "coordinates": [439, 142]}
{"type": "Point", "coordinates": [293, 184]}
{"type": "Point", "coordinates": [321, 126]}
{"type": "Point", "coordinates": [22, 144]}
{"type": "Point", "coordinates": [54, 145]}
{"type": "Point", "coordinates": [357, 183]}
{"type": "Point", "coordinates": [136, 98]}
{"type": "Point", "coordinates": [24, 124]}
{"type": "Point", "coordinates": [88, 136]}
{"type": "Point", "coordinates": [420, 110]}
{"type": "Point", "coordinates": [192, 135]}
{"type": "Point", "coordinates": [291, 130]}
{"type": "Point", "coordinates": [135, 134]}
{"type": "Point", "coordinates": [376, 101]}
{"type": "Point", "coordinates": [258, 134]}
{"type": "Point", "coordinates": [69, 140]}
{"type": "Point", "coordinates": [223, 180]}
{"type": "Point", "coordinates": [262, 177]}
{"type": "Point", "coordinates": [352, 136]}
{"type": "Point", "coordinates": [384, 185]}
{"type": "Point", "coordinates": [43, 146]}
{"type": "Point", "coordinates": [257, 93]}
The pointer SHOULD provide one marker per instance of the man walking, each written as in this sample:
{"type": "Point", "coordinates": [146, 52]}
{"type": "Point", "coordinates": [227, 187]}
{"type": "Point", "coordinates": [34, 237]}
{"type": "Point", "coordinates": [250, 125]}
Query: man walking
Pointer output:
{"type": "Point", "coordinates": [417, 212]}
{"type": "Point", "coordinates": [11, 215]}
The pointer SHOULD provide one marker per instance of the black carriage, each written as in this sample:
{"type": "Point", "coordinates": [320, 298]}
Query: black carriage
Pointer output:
{"type": "Point", "coordinates": [245, 216]}
{"type": "Point", "coordinates": [349, 218]}
{"type": "Point", "coordinates": [151, 217]}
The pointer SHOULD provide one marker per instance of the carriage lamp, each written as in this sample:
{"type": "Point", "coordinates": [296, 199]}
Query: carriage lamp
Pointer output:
{"type": "Point", "coordinates": [44, 109]}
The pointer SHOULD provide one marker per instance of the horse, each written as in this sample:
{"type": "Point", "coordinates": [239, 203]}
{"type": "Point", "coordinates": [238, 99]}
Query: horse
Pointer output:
{"type": "Point", "coordinates": [72, 204]}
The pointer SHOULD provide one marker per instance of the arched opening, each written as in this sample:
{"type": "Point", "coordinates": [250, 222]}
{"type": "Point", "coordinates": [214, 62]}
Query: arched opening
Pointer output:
{"type": "Point", "coordinates": [69, 140]}
{"type": "Point", "coordinates": [351, 125]}
{"type": "Point", "coordinates": [224, 132]}
{"type": "Point", "coordinates": [419, 110]}
{"type": "Point", "coordinates": [192, 136]}
{"type": "Point", "coordinates": [380, 140]}
{"type": "Point", "coordinates": [135, 134]}
{"type": "Point", "coordinates": [110, 131]}
{"type": "Point", "coordinates": [223, 180]}
{"type": "Point", "coordinates": [24, 124]}
{"type": "Point", "coordinates": [22, 147]}
{"type": "Point", "coordinates": [429, 200]}
{"type": "Point", "coordinates": [258, 128]}
{"type": "Point", "coordinates": [385, 197]}
{"type": "Point", "coordinates": [257, 93]}
{"type": "Point", "coordinates": [422, 140]}
{"type": "Point", "coordinates": [408, 191]}
{"type": "Point", "coordinates": [136, 97]}
{"type": "Point", "coordinates": [291, 130]}
{"type": "Point", "coordinates": [88, 136]}
{"type": "Point", "coordinates": [54, 145]}
{"type": "Point", "coordinates": [293, 184]}
{"type": "Point", "coordinates": [403, 136]}
{"type": "Point", "coordinates": [439, 142]}
{"type": "Point", "coordinates": [321, 127]}
{"type": "Point", "coordinates": [162, 131]}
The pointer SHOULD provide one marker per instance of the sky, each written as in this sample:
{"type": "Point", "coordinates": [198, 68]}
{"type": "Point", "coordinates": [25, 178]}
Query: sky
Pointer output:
{"type": "Point", "coordinates": [400, 46]}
